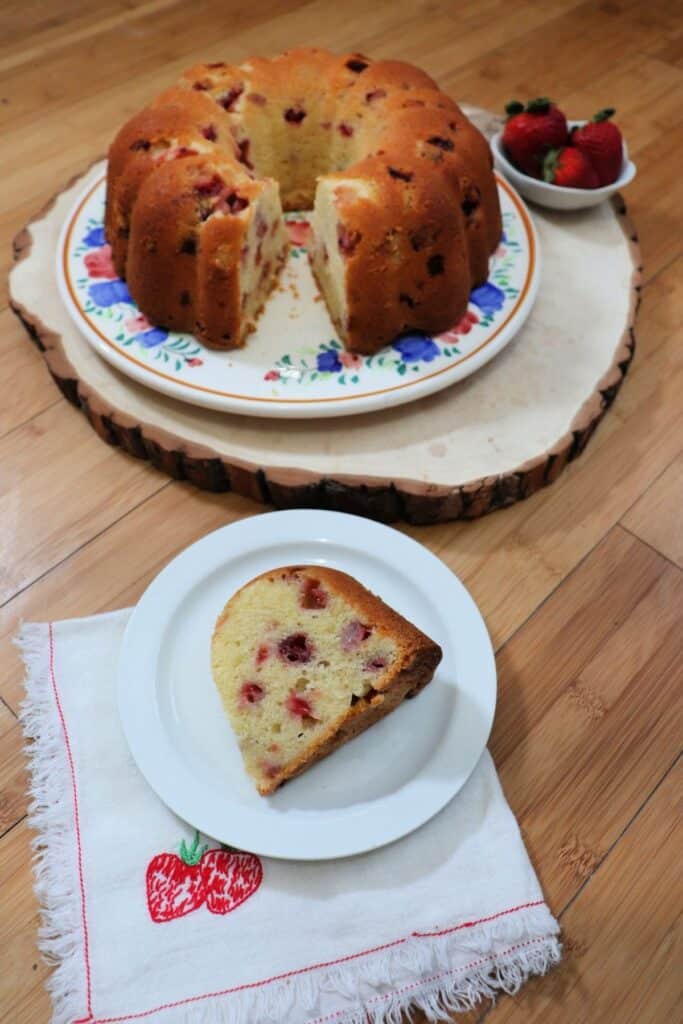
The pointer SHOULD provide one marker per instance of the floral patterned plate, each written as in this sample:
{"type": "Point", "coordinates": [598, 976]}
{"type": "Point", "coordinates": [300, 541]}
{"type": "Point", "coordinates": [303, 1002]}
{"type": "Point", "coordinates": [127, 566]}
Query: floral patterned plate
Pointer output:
{"type": "Point", "coordinates": [294, 365]}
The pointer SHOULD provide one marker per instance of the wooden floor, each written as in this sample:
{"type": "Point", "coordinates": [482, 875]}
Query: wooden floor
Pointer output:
{"type": "Point", "coordinates": [582, 586]}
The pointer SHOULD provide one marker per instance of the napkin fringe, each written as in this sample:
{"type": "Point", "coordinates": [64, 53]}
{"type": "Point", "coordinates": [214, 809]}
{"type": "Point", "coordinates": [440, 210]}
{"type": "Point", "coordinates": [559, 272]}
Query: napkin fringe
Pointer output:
{"type": "Point", "coordinates": [462, 989]}
{"type": "Point", "coordinates": [517, 949]}
{"type": "Point", "coordinates": [51, 817]}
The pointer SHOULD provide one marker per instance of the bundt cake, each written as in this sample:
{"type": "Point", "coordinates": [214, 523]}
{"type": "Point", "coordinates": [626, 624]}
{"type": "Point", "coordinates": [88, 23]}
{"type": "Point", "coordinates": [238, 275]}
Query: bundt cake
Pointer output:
{"type": "Point", "coordinates": [304, 659]}
{"type": "Point", "coordinates": [405, 205]}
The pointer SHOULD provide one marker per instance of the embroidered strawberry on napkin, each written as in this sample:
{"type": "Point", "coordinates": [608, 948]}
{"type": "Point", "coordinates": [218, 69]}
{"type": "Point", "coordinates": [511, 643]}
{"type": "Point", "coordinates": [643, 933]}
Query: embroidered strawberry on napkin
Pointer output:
{"type": "Point", "coordinates": [220, 879]}
{"type": "Point", "coordinates": [167, 930]}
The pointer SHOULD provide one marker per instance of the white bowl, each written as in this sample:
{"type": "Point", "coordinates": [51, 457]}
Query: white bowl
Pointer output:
{"type": "Point", "coordinates": [557, 197]}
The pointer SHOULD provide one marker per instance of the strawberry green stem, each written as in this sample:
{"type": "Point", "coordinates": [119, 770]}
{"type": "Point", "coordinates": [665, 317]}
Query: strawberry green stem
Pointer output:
{"type": "Point", "coordinates": [192, 855]}
{"type": "Point", "coordinates": [604, 115]}
{"type": "Point", "coordinates": [513, 107]}
{"type": "Point", "coordinates": [538, 106]}
{"type": "Point", "coordinates": [550, 165]}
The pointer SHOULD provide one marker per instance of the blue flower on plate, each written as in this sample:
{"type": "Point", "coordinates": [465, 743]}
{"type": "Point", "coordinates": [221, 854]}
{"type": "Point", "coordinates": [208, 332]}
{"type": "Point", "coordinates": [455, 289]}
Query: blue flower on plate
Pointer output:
{"type": "Point", "coordinates": [327, 361]}
{"type": "Point", "coordinates": [150, 339]}
{"type": "Point", "coordinates": [108, 293]}
{"type": "Point", "coordinates": [415, 347]}
{"type": "Point", "coordinates": [94, 238]}
{"type": "Point", "coordinates": [488, 298]}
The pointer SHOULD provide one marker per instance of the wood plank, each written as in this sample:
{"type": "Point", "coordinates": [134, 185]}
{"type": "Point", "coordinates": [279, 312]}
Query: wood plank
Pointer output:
{"type": "Point", "coordinates": [34, 27]}
{"type": "Point", "coordinates": [656, 517]}
{"type": "Point", "coordinates": [33, 390]}
{"type": "Point", "coordinates": [622, 934]}
{"type": "Point", "coordinates": [57, 33]}
{"type": "Point", "coordinates": [23, 997]}
{"type": "Point", "coordinates": [603, 730]}
{"type": "Point", "coordinates": [671, 51]}
{"type": "Point", "coordinates": [7, 719]}
{"type": "Point", "coordinates": [13, 778]}
{"type": "Point", "coordinates": [31, 1004]}
{"type": "Point", "coordinates": [666, 13]}
{"type": "Point", "coordinates": [565, 635]}
{"type": "Point", "coordinates": [114, 568]}
{"type": "Point", "coordinates": [555, 58]}
{"type": "Point", "coordinates": [463, 37]}
{"type": "Point", "coordinates": [60, 486]}
{"type": "Point", "coordinates": [655, 203]}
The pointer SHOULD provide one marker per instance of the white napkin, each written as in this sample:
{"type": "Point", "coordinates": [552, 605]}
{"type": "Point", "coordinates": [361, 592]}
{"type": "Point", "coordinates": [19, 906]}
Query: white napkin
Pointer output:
{"type": "Point", "coordinates": [449, 914]}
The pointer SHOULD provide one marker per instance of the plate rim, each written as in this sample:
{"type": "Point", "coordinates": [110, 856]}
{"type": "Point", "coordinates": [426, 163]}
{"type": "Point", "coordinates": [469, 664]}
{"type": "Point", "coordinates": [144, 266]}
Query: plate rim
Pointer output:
{"type": "Point", "coordinates": [300, 408]}
{"type": "Point", "coordinates": [137, 717]}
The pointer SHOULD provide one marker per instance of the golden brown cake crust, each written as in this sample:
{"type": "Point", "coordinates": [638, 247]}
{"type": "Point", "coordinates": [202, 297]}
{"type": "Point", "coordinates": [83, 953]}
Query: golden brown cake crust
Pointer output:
{"type": "Point", "coordinates": [417, 659]}
{"type": "Point", "coordinates": [417, 202]}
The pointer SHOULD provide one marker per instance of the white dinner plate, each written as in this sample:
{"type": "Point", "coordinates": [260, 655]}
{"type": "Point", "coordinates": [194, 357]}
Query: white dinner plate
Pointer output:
{"type": "Point", "coordinates": [373, 790]}
{"type": "Point", "coordinates": [294, 364]}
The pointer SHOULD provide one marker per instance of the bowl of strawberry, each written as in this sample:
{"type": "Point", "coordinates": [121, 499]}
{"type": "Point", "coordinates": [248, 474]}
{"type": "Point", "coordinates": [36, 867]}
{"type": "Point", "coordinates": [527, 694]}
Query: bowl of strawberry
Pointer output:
{"type": "Point", "coordinates": [565, 165]}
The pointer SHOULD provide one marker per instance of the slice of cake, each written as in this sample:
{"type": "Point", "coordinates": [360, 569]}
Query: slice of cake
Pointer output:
{"type": "Point", "coordinates": [305, 658]}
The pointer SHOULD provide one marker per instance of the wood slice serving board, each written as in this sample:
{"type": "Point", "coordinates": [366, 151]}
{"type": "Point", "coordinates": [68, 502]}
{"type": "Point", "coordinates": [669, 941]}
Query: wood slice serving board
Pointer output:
{"type": "Point", "coordinates": [479, 445]}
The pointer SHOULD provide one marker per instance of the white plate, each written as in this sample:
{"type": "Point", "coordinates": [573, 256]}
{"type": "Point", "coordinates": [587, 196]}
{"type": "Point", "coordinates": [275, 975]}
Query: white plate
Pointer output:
{"type": "Point", "coordinates": [294, 364]}
{"type": "Point", "coordinates": [376, 788]}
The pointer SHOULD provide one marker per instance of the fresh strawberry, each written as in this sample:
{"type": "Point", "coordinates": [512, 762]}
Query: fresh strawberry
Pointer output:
{"type": "Point", "coordinates": [230, 878]}
{"type": "Point", "coordinates": [602, 143]}
{"type": "Point", "coordinates": [176, 885]}
{"type": "Point", "coordinates": [570, 168]}
{"type": "Point", "coordinates": [530, 132]}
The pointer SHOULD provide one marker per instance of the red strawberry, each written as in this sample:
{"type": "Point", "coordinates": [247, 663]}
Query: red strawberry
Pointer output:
{"type": "Point", "coordinates": [570, 168]}
{"type": "Point", "coordinates": [298, 706]}
{"type": "Point", "coordinates": [230, 878]}
{"type": "Point", "coordinates": [529, 133]}
{"type": "Point", "coordinates": [600, 140]}
{"type": "Point", "coordinates": [176, 885]}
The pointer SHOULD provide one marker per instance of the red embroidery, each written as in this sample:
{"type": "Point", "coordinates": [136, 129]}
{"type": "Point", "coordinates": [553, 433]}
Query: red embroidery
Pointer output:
{"type": "Point", "coordinates": [77, 821]}
{"type": "Point", "coordinates": [481, 920]}
{"type": "Point", "coordinates": [222, 879]}
{"type": "Point", "coordinates": [175, 885]}
{"type": "Point", "coordinates": [230, 879]}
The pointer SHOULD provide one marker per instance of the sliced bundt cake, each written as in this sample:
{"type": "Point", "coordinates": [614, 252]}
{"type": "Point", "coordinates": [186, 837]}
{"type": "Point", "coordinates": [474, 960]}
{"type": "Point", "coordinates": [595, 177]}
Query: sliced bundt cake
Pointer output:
{"type": "Point", "coordinates": [406, 210]}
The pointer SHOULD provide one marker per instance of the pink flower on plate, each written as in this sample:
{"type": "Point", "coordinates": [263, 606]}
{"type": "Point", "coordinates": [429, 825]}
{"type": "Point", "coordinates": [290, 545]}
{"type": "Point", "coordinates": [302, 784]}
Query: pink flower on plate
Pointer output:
{"type": "Point", "coordinates": [137, 324]}
{"type": "Point", "coordinates": [350, 360]}
{"type": "Point", "coordinates": [500, 251]}
{"type": "Point", "coordinates": [194, 361]}
{"type": "Point", "coordinates": [299, 231]}
{"type": "Point", "coordinates": [271, 375]}
{"type": "Point", "coordinates": [464, 326]}
{"type": "Point", "coordinates": [99, 264]}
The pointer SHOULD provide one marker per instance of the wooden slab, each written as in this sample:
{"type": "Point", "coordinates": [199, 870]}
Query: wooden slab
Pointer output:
{"type": "Point", "coordinates": [485, 443]}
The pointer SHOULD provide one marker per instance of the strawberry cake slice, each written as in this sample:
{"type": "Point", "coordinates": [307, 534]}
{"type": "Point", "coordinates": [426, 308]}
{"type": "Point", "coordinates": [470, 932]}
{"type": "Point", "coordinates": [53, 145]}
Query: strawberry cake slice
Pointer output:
{"type": "Point", "coordinates": [305, 658]}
